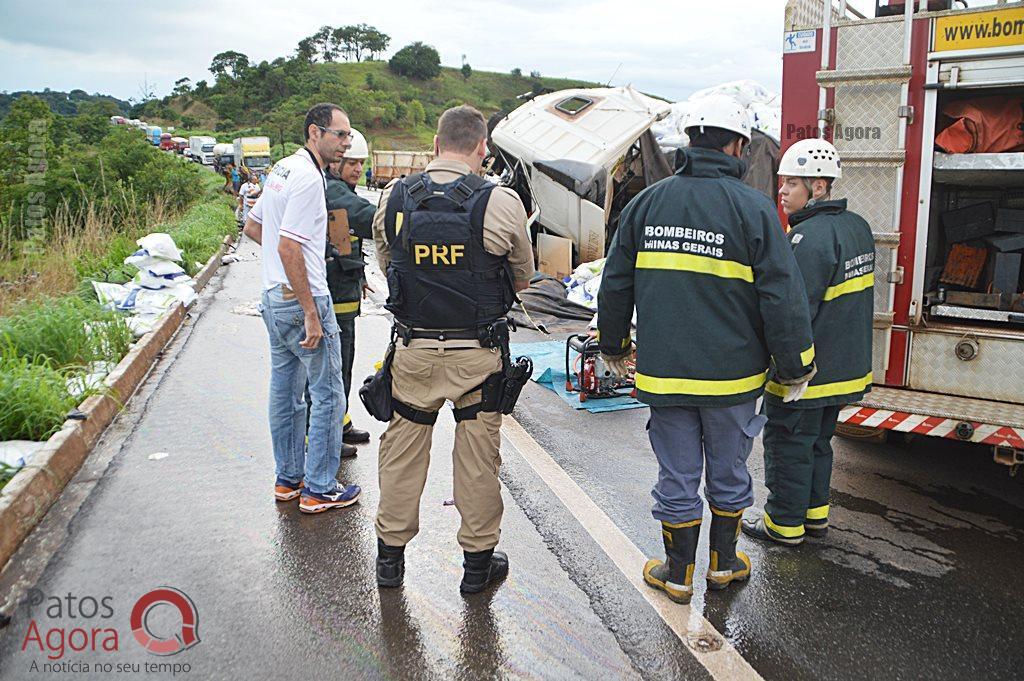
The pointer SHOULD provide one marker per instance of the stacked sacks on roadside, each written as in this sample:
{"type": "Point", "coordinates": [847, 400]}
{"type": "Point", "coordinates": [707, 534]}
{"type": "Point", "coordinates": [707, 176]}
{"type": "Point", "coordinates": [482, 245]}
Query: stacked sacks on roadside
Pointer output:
{"type": "Point", "coordinates": [160, 283]}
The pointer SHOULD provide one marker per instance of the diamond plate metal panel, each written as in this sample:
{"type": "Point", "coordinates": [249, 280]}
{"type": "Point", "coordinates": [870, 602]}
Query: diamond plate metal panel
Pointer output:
{"type": "Point", "coordinates": [871, 193]}
{"type": "Point", "coordinates": [807, 14]}
{"type": "Point", "coordinates": [867, 117]}
{"type": "Point", "coordinates": [997, 373]}
{"type": "Point", "coordinates": [878, 337]}
{"type": "Point", "coordinates": [883, 264]}
{"type": "Point", "coordinates": [869, 46]}
{"type": "Point", "coordinates": [944, 406]}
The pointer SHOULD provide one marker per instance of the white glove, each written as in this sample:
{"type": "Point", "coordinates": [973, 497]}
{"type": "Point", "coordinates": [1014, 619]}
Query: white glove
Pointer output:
{"type": "Point", "coordinates": [617, 365]}
{"type": "Point", "coordinates": [796, 391]}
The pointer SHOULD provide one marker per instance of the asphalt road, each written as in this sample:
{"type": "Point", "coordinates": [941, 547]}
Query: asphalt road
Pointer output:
{"type": "Point", "coordinates": [917, 578]}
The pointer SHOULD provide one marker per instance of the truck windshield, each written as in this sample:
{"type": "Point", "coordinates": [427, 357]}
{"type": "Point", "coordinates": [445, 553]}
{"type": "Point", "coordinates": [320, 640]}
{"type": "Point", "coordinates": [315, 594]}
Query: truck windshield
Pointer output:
{"type": "Point", "coordinates": [257, 161]}
{"type": "Point", "coordinates": [207, 148]}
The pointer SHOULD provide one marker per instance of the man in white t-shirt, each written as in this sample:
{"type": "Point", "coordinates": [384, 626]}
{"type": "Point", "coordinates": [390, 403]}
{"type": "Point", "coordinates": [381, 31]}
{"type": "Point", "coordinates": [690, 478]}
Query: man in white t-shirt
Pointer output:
{"type": "Point", "coordinates": [247, 195]}
{"type": "Point", "coordinates": [290, 221]}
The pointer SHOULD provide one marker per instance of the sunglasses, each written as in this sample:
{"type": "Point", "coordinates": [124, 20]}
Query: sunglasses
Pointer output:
{"type": "Point", "coordinates": [341, 134]}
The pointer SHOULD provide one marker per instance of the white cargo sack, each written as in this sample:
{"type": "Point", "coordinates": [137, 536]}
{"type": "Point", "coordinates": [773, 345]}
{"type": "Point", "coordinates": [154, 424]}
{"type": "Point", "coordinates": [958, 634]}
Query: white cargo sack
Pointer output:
{"type": "Point", "coordinates": [160, 245]}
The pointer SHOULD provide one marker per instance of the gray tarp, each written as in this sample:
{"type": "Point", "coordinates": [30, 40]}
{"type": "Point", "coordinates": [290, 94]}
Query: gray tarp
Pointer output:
{"type": "Point", "coordinates": [546, 302]}
{"type": "Point", "coordinates": [762, 157]}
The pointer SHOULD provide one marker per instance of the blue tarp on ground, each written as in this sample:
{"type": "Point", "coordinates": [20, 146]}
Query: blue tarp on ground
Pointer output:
{"type": "Point", "coordinates": [549, 371]}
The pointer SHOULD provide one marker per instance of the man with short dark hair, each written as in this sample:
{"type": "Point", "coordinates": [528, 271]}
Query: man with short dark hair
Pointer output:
{"type": "Point", "coordinates": [455, 248]}
{"type": "Point", "coordinates": [703, 258]}
{"type": "Point", "coordinates": [289, 220]}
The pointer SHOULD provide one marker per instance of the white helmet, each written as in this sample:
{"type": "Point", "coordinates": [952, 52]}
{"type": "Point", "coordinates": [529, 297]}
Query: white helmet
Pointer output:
{"type": "Point", "coordinates": [358, 150]}
{"type": "Point", "coordinates": [719, 111]}
{"type": "Point", "coordinates": [811, 158]}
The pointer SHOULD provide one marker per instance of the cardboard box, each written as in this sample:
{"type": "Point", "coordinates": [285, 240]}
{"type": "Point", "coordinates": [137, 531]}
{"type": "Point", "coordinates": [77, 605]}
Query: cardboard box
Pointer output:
{"type": "Point", "coordinates": [971, 222]}
{"type": "Point", "coordinates": [554, 255]}
{"type": "Point", "coordinates": [338, 231]}
{"type": "Point", "coordinates": [964, 266]}
{"type": "Point", "coordinates": [1010, 220]}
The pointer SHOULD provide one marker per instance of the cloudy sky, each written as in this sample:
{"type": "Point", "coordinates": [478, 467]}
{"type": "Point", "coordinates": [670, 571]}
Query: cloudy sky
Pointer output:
{"type": "Point", "coordinates": [666, 47]}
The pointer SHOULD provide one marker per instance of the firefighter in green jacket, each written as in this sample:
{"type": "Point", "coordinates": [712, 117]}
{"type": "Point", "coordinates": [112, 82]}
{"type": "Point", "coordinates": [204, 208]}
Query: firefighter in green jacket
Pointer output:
{"type": "Point", "coordinates": [836, 254]}
{"type": "Point", "coordinates": [345, 272]}
{"type": "Point", "coordinates": [704, 260]}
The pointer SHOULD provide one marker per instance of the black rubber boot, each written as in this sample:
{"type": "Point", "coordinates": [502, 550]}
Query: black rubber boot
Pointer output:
{"type": "Point", "coordinates": [390, 564]}
{"type": "Point", "coordinates": [756, 528]}
{"type": "Point", "coordinates": [816, 528]}
{"type": "Point", "coordinates": [481, 569]}
{"type": "Point", "coordinates": [354, 436]}
{"type": "Point", "coordinates": [674, 575]}
{"type": "Point", "coordinates": [727, 565]}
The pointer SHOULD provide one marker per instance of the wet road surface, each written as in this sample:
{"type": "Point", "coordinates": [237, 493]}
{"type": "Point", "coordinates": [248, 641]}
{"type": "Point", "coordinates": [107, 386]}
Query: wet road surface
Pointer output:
{"type": "Point", "coordinates": [915, 580]}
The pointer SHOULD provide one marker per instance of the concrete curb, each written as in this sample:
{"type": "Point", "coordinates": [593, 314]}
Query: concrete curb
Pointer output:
{"type": "Point", "coordinates": [30, 493]}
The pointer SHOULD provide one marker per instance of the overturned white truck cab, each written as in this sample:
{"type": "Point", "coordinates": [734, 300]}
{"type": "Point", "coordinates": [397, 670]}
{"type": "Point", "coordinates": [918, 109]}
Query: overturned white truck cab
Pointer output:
{"type": "Point", "coordinates": [576, 157]}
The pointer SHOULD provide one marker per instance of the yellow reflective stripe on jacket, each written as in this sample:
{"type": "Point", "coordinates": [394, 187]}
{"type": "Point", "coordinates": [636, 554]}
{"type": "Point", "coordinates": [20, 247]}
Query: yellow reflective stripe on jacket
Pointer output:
{"type": "Point", "coordinates": [687, 262]}
{"type": "Point", "coordinates": [854, 385]}
{"type": "Point", "coordinates": [818, 513]}
{"type": "Point", "coordinates": [399, 218]}
{"type": "Point", "coordinates": [807, 356]}
{"type": "Point", "coordinates": [865, 281]}
{"type": "Point", "coordinates": [783, 530]}
{"type": "Point", "coordinates": [694, 386]}
{"type": "Point", "coordinates": [345, 308]}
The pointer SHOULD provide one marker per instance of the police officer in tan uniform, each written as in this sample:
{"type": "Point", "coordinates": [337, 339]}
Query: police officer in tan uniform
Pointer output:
{"type": "Point", "coordinates": [455, 249]}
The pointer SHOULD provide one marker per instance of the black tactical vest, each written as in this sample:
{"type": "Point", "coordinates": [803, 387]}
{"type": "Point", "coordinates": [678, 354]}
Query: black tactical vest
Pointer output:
{"type": "Point", "coordinates": [440, 276]}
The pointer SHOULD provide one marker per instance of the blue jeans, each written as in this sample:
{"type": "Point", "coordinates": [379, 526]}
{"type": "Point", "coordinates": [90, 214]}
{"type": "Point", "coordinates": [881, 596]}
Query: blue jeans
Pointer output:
{"type": "Point", "coordinates": [291, 367]}
{"type": "Point", "coordinates": [685, 439]}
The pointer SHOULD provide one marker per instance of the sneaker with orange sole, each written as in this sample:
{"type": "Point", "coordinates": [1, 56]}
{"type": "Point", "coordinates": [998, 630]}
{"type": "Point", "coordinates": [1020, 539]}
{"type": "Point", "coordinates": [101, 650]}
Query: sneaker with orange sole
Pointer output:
{"type": "Point", "coordinates": [286, 490]}
{"type": "Point", "coordinates": [318, 502]}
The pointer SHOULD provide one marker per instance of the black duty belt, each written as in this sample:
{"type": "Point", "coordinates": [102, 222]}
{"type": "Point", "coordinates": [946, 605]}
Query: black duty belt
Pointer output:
{"type": "Point", "coordinates": [408, 334]}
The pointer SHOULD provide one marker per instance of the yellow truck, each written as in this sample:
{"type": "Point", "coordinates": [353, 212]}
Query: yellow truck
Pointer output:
{"type": "Point", "coordinates": [390, 165]}
{"type": "Point", "coordinates": [252, 153]}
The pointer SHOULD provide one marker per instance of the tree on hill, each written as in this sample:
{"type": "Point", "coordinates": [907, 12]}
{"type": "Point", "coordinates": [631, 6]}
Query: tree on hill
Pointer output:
{"type": "Point", "coordinates": [374, 41]}
{"type": "Point", "coordinates": [229, 64]}
{"type": "Point", "coordinates": [416, 61]}
{"type": "Point", "coordinates": [306, 50]}
{"type": "Point", "coordinates": [467, 70]}
{"type": "Point", "coordinates": [325, 44]}
{"type": "Point", "coordinates": [182, 87]}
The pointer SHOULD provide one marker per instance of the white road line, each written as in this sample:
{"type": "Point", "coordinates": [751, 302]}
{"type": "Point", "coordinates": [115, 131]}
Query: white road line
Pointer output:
{"type": "Point", "coordinates": [710, 648]}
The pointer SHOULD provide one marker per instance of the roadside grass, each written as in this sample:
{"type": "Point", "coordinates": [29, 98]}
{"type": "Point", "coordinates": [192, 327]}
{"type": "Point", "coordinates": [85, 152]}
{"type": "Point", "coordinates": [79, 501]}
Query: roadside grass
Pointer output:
{"type": "Point", "coordinates": [34, 398]}
{"type": "Point", "coordinates": [6, 473]}
{"type": "Point", "coordinates": [95, 248]}
{"type": "Point", "coordinates": [64, 332]}
{"type": "Point", "coordinates": [51, 325]}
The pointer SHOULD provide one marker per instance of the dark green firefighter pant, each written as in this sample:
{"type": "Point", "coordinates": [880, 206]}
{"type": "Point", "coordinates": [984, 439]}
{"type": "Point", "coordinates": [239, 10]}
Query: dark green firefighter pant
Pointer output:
{"type": "Point", "coordinates": [797, 466]}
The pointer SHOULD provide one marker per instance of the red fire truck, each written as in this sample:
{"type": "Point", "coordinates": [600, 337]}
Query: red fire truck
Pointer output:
{"type": "Point", "coordinates": [949, 308]}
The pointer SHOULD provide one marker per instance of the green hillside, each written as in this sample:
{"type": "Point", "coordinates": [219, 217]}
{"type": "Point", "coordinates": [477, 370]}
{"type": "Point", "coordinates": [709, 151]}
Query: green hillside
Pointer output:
{"type": "Point", "coordinates": [394, 111]}
{"type": "Point", "coordinates": [63, 103]}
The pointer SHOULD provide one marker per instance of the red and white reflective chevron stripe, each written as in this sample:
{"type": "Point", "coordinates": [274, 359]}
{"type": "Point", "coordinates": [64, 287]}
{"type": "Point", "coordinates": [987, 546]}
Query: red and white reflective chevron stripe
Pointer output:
{"type": "Point", "coordinates": [935, 426]}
